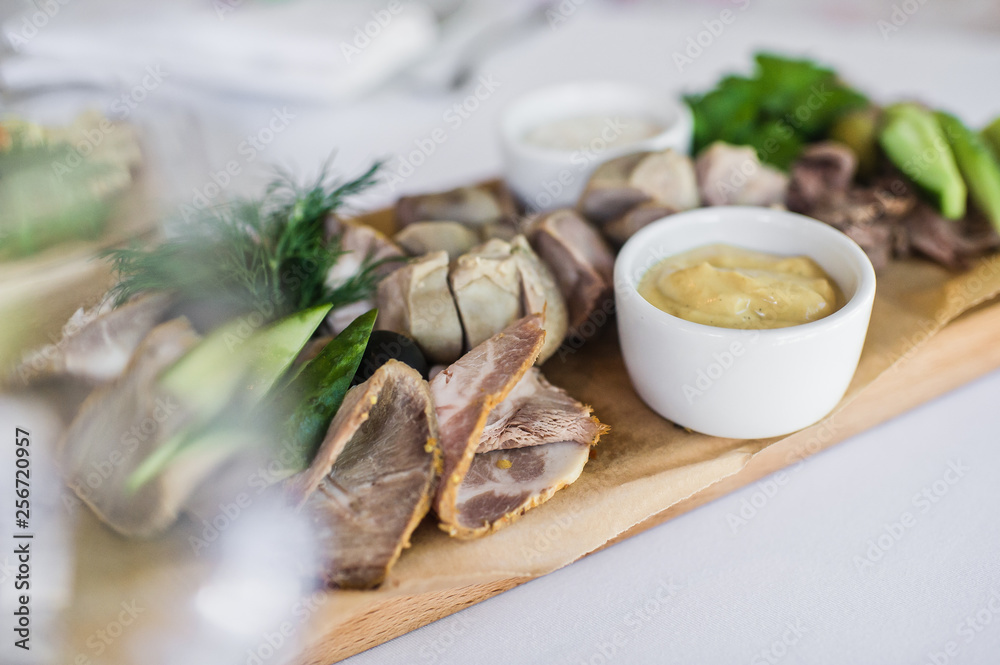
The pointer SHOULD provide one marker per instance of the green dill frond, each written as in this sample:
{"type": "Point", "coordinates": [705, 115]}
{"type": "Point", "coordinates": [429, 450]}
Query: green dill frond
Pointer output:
{"type": "Point", "coordinates": [270, 252]}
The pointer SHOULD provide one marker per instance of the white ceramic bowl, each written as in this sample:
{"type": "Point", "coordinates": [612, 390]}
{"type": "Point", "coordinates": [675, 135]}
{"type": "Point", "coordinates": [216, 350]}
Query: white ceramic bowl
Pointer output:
{"type": "Point", "coordinates": [742, 384]}
{"type": "Point", "coordinates": [545, 178]}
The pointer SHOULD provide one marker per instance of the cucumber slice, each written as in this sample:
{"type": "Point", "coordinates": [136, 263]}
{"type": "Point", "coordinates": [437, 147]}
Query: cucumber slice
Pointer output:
{"type": "Point", "coordinates": [233, 365]}
{"type": "Point", "coordinates": [977, 164]}
{"type": "Point", "coordinates": [912, 139]}
{"type": "Point", "coordinates": [319, 389]}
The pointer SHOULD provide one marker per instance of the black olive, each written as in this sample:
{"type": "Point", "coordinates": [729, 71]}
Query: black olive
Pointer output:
{"type": "Point", "coordinates": [384, 345]}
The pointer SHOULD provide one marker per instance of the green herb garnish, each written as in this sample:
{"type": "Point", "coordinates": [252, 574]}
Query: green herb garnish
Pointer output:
{"type": "Point", "coordinates": [784, 105]}
{"type": "Point", "coordinates": [269, 255]}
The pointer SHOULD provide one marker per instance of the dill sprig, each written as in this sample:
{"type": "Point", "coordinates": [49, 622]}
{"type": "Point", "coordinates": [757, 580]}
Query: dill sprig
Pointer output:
{"type": "Point", "coordinates": [268, 255]}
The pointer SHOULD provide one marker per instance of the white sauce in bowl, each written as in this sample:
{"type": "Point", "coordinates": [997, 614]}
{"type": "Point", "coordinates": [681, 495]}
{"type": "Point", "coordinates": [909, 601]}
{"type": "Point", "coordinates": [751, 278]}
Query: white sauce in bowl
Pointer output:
{"type": "Point", "coordinates": [577, 132]}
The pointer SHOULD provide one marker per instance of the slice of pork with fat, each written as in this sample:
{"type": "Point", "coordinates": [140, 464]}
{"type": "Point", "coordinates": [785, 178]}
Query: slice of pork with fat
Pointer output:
{"type": "Point", "coordinates": [508, 445]}
{"type": "Point", "coordinates": [372, 480]}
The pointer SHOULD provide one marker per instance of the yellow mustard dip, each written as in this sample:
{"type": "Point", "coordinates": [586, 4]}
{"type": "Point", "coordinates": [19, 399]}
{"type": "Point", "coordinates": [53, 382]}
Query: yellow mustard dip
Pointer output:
{"type": "Point", "coordinates": [730, 287]}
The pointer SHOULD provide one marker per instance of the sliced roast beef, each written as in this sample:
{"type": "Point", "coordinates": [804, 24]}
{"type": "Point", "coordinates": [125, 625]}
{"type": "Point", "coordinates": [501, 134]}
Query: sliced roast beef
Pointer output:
{"type": "Point", "coordinates": [372, 480]}
{"type": "Point", "coordinates": [822, 172]}
{"type": "Point", "coordinates": [953, 244]}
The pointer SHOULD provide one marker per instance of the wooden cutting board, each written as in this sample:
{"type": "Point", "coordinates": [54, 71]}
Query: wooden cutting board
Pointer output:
{"type": "Point", "coordinates": [346, 623]}
{"type": "Point", "coordinates": [961, 352]}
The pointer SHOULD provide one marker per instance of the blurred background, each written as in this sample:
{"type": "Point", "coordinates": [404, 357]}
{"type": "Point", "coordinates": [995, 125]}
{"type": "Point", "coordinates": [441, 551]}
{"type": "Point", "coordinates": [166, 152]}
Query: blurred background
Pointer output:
{"type": "Point", "coordinates": [291, 82]}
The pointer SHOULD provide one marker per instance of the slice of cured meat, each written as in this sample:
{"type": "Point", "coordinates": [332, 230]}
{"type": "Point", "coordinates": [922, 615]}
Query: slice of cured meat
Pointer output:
{"type": "Point", "coordinates": [487, 289]}
{"type": "Point", "coordinates": [119, 425]}
{"type": "Point", "coordinates": [536, 412]}
{"type": "Point", "coordinates": [542, 437]}
{"type": "Point", "coordinates": [373, 478]}
{"type": "Point", "coordinates": [415, 301]}
{"type": "Point", "coordinates": [579, 259]}
{"type": "Point", "coordinates": [420, 238]}
{"type": "Point", "coordinates": [97, 344]}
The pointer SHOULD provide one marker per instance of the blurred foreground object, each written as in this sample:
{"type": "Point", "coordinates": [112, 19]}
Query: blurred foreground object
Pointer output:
{"type": "Point", "coordinates": [307, 49]}
{"type": "Point", "coordinates": [57, 183]}
{"type": "Point", "coordinates": [65, 194]}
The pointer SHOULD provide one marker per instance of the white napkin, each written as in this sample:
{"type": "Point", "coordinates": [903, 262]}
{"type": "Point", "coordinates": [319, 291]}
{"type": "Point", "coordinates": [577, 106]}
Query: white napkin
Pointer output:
{"type": "Point", "coordinates": [301, 49]}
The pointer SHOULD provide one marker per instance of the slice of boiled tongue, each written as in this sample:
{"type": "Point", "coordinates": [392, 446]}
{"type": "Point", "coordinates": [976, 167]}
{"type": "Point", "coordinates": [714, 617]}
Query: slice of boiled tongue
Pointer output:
{"type": "Point", "coordinates": [96, 344]}
{"type": "Point", "coordinates": [372, 480]}
{"type": "Point", "coordinates": [579, 258]}
{"type": "Point", "coordinates": [415, 301]}
{"type": "Point", "coordinates": [494, 415]}
{"type": "Point", "coordinates": [118, 426]}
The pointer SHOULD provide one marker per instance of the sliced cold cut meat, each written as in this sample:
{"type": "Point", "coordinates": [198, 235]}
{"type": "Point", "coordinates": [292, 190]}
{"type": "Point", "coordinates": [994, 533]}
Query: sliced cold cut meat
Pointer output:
{"type": "Point", "coordinates": [487, 289]}
{"type": "Point", "coordinates": [372, 480]}
{"type": "Point", "coordinates": [492, 398]}
{"type": "Point", "coordinates": [578, 257]}
{"type": "Point", "coordinates": [540, 295]}
{"type": "Point", "coordinates": [464, 394]}
{"type": "Point", "coordinates": [666, 179]}
{"type": "Point", "coordinates": [733, 175]}
{"type": "Point", "coordinates": [415, 301]}
{"type": "Point", "coordinates": [97, 344]}
{"type": "Point", "coordinates": [124, 422]}
{"type": "Point", "coordinates": [423, 237]}
{"type": "Point", "coordinates": [473, 206]}
{"type": "Point", "coordinates": [536, 412]}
